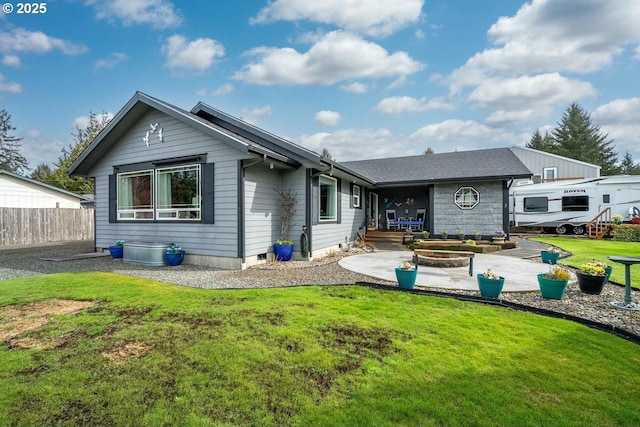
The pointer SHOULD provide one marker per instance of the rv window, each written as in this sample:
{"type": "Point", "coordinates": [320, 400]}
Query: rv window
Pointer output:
{"type": "Point", "coordinates": [575, 203]}
{"type": "Point", "coordinates": [536, 204]}
{"type": "Point", "coordinates": [606, 198]}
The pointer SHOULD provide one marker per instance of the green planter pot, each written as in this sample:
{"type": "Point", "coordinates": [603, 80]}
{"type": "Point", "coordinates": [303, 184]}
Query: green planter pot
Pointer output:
{"type": "Point", "coordinates": [406, 278]}
{"type": "Point", "coordinates": [490, 288]}
{"type": "Point", "coordinates": [551, 288]}
{"type": "Point", "coordinates": [608, 271]}
{"type": "Point", "coordinates": [591, 284]}
{"type": "Point", "coordinates": [549, 257]}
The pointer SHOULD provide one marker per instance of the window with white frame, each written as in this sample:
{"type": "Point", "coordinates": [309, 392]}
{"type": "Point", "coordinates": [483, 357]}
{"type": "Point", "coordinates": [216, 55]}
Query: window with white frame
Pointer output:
{"type": "Point", "coordinates": [355, 196]}
{"type": "Point", "coordinates": [328, 198]}
{"type": "Point", "coordinates": [550, 173]}
{"type": "Point", "coordinates": [466, 197]}
{"type": "Point", "coordinates": [169, 193]}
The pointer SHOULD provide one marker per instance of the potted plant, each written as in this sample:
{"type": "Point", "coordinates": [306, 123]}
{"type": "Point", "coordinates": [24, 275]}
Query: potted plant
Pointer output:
{"type": "Point", "coordinates": [460, 235]}
{"type": "Point", "coordinates": [490, 284]}
{"type": "Point", "coordinates": [425, 234]}
{"type": "Point", "coordinates": [116, 250]}
{"type": "Point", "coordinates": [174, 255]}
{"type": "Point", "coordinates": [406, 275]}
{"type": "Point", "coordinates": [617, 219]}
{"type": "Point", "coordinates": [283, 247]}
{"type": "Point", "coordinates": [554, 283]}
{"type": "Point", "coordinates": [592, 277]}
{"type": "Point", "coordinates": [444, 234]}
{"type": "Point", "coordinates": [499, 236]}
{"type": "Point", "coordinates": [551, 255]}
{"type": "Point", "coordinates": [477, 235]}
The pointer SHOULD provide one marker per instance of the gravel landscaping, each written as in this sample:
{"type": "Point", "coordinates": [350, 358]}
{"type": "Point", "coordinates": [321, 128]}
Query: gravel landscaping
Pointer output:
{"type": "Point", "coordinates": [25, 262]}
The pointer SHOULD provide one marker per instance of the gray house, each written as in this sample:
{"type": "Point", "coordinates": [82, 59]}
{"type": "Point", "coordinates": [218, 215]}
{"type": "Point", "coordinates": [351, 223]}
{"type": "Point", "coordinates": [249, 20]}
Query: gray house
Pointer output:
{"type": "Point", "coordinates": [211, 182]}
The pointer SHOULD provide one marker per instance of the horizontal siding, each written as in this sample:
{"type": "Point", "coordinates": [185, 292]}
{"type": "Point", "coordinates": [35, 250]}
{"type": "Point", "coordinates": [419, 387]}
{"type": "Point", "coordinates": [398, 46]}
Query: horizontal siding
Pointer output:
{"type": "Point", "coordinates": [219, 239]}
{"type": "Point", "coordinates": [261, 218]}
{"type": "Point", "coordinates": [16, 193]}
{"type": "Point", "coordinates": [567, 168]}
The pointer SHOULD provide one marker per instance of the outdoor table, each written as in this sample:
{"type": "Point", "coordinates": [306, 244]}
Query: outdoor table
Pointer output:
{"type": "Point", "coordinates": [628, 261]}
{"type": "Point", "coordinates": [408, 224]}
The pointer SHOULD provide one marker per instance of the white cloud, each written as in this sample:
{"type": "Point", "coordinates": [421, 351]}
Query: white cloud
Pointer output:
{"type": "Point", "coordinates": [335, 57]}
{"type": "Point", "coordinates": [225, 89]}
{"type": "Point", "coordinates": [7, 86]}
{"type": "Point", "coordinates": [372, 17]}
{"type": "Point", "coordinates": [111, 61]}
{"type": "Point", "coordinates": [328, 118]}
{"type": "Point", "coordinates": [22, 40]}
{"type": "Point", "coordinates": [253, 115]}
{"type": "Point", "coordinates": [401, 104]}
{"type": "Point", "coordinates": [619, 119]}
{"type": "Point", "coordinates": [81, 122]}
{"type": "Point", "coordinates": [356, 144]}
{"type": "Point", "coordinates": [160, 14]}
{"type": "Point", "coordinates": [198, 54]}
{"type": "Point", "coordinates": [355, 87]}
{"type": "Point", "coordinates": [462, 131]}
{"type": "Point", "coordinates": [11, 61]}
{"type": "Point", "coordinates": [547, 36]}
{"type": "Point", "coordinates": [38, 148]}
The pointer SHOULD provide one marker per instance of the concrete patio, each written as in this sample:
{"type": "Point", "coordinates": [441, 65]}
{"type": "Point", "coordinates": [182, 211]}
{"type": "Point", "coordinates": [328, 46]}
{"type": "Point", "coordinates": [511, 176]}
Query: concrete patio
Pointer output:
{"type": "Point", "coordinates": [520, 274]}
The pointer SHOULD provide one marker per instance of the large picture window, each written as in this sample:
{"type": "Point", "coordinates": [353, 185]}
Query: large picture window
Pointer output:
{"type": "Point", "coordinates": [328, 198]}
{"type": "Point", "coordinates": [171, 193]}
{"type": "Point", "coordinates": [466, 197]}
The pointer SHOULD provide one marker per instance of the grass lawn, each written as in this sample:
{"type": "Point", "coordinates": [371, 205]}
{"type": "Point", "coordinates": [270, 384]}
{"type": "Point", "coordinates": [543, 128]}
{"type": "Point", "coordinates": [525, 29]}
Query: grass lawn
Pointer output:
{"type": "Point", "coordinates": [584, 250]}
{"type": "Point", "coordinates": [147, 353]}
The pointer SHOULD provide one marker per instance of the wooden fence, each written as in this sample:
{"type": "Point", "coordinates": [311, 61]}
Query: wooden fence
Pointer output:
{"type": "Point", "coordinates": [19, 226]}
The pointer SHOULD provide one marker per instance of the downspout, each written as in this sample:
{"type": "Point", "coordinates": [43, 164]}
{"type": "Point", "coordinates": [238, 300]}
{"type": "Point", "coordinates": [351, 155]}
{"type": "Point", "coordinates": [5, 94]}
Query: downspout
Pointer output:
{"type": "Point", "coordinates": [506, 185]}
{"type": "Point", "coordinates": [242, 246]}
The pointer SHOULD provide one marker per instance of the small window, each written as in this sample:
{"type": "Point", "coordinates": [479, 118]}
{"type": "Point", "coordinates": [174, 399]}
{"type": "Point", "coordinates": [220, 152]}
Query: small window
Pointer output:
{"type": "Point", "coordinates": [606, 198]}
{"type": "Point", "coordinates": [466, 197]}
{"type": "Point", "coordinates": [536, 204]}
{"type": "Point", "coordinates": [575, 203]}
{"type": "Point", "coordinates": [328, 198]}
{"type": "Point", "coordinates": [355, 196]}
{"type": "Point", "coordinates": [550, 174]}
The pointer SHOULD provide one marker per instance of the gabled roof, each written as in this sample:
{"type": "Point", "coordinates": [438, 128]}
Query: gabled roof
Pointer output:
{"type": "Point", "coordinates": [487, 164]}
{"type": "Point", "coordinates": [140, 104]}
{"type": "Point", "coordinates": [41, 184]}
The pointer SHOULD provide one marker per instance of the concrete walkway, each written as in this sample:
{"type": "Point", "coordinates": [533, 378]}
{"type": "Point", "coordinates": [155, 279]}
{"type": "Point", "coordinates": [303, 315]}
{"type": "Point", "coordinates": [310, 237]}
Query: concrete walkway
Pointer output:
{"type": "Point", "coordinates": [520, 274]}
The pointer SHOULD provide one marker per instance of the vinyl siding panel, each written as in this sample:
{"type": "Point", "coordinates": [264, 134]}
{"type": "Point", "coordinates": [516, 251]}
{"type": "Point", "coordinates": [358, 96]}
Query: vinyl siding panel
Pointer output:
{"type": "Point", "coordinates": [567, 168]}
{"type": "Point", "coordinates": [261, 217]}
{"type": "Point", "coordinates": [16, 193]}
{"type": "Point", "coordinates": [219, 239]}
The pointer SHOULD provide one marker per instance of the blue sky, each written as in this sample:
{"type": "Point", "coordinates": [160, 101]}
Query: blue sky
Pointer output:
{"type": "Point", "coordinates": [362, 78]}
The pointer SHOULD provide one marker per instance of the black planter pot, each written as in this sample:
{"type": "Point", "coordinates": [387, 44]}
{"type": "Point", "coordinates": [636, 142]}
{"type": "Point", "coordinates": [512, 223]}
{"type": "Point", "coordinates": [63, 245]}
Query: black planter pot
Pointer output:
{"type": "Point", "coordinates": [591, 284]}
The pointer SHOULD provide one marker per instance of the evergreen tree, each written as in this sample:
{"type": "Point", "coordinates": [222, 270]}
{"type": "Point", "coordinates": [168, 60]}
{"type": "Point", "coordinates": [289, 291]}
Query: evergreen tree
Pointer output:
{"type": "Point", "coordinates": [429, 151]}
{"type": "Point", "coordinates": [82, 138]}
{"type": "Point", "coordinates": [542, 143]}
{"type": "Point", "coordinates": [627, 167]}
{"type": "Point", "coordinates": [42, 173]}
{"type": "Point", "coordinates": [326, 154]}
{"type": "Point", "coordinates": [576, 137]}
{"type": "Point", "coordinates": [10, 158]}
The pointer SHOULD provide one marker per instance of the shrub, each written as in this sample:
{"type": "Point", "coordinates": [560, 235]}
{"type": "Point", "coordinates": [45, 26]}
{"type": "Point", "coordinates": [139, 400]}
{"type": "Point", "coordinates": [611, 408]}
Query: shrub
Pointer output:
{"type": "Point", "coordinates": [627, 233]}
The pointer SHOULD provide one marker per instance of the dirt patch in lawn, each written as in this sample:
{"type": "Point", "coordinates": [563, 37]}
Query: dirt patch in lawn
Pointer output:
{"type": "Point", "coordinates": [16, 319]}
{"type": "Point", "coordinates": [126, 351]}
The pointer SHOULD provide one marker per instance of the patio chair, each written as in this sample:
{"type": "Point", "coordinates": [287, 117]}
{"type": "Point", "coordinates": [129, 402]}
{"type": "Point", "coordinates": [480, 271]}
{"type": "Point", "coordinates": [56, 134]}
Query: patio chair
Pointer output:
{"type": "Point", "coordinates": [421, 213]}
{"type": "Point", "coordinates": [391, 219]}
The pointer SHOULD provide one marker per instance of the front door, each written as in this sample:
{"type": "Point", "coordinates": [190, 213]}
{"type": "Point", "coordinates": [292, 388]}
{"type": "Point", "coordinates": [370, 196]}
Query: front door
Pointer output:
{"type": "Point", "coordinates": [373, 210]}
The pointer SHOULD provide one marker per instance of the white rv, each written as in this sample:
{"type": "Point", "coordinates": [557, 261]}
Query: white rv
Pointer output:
{"type": "Point", "coordinates": [567, 206]}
